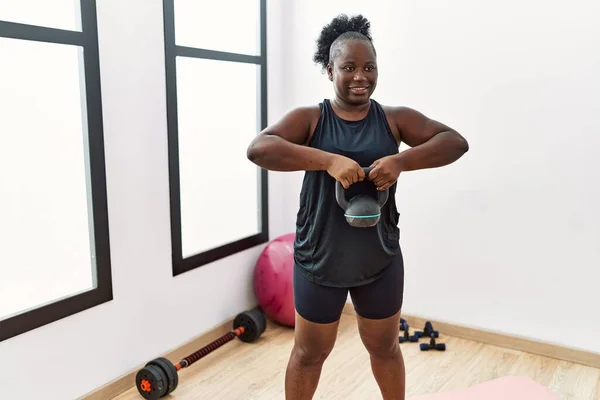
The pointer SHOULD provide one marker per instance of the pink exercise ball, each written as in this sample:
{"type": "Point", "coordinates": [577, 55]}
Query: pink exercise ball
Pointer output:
{"type": "Point", "coordinates": [273, 280]}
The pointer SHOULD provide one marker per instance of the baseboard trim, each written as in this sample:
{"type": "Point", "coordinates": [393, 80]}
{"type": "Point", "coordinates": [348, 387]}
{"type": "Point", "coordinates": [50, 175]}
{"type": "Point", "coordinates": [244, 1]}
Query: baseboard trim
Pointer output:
{"type": "Point", "coordinates": [127, 381]}
{"type": "Point", "coordinates": [502, 340]}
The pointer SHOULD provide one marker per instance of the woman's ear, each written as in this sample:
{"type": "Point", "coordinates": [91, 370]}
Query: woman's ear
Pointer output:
{"type": "Point", "coordinates": [330, 71]}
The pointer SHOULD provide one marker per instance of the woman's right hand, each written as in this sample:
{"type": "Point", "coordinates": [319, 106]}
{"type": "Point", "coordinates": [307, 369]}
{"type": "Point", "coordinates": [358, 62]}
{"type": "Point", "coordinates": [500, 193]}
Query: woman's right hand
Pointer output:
{"type": "Point", "coordinates": [345, 170]}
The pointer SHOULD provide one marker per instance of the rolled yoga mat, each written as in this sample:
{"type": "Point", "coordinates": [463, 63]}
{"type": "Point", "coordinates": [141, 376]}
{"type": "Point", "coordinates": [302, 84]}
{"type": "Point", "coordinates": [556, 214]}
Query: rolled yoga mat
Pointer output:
{"type": "Point", "coordinates": [506, 388]}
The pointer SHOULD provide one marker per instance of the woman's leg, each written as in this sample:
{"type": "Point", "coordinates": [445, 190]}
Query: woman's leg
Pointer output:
{"type": "Point", "coordinates": [318, 310]}
{"type": "Point", "coordinates": [378, 307]}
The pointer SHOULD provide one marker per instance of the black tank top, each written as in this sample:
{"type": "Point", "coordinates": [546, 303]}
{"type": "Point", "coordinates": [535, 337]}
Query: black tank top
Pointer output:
{"type": "Point", "coordinates": [327, 249]}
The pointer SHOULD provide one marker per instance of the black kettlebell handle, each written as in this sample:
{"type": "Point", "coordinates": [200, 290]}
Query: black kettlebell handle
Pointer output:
{"type": "Point", "coordinates": [340, 192]}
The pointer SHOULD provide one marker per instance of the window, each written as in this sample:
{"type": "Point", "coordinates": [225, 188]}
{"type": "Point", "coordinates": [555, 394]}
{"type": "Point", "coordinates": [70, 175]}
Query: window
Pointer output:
{"type": "Point", "coordinates": [216, 104]}
{"type": "Point", "coordinates": [54, 257]}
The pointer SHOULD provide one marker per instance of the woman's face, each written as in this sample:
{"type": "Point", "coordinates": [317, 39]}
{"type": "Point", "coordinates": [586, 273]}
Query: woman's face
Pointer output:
{"type": "Point", "coordinates": [354, 72]}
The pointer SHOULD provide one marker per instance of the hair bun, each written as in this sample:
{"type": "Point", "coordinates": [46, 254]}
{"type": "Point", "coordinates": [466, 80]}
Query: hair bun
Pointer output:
{"type": "Point", "coordinates": [338, 26]}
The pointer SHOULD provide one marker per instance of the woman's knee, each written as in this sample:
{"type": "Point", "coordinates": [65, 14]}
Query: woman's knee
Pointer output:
{"type": "Point", "coordinates": [382, 348]}
{"type": "Point", "coordinates": [313, 342]}
{"type": "Point", "coordinates": [380, 336]}
{"type": "Point", "coordinates": [311, 354]}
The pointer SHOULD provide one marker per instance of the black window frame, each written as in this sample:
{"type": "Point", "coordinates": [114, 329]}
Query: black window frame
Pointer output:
{"type": "Point", "coordinates": [87, 39]}
{"type": "Point", "coordinates": [180, 264]}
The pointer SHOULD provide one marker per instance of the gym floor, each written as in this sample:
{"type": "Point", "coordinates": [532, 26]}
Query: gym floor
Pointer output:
{"type": "Point", "coordinates": [256, 371]}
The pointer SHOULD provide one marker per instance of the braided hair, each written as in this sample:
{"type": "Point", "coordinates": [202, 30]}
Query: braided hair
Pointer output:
{"type": "Point", "coordinates": [341, 29]}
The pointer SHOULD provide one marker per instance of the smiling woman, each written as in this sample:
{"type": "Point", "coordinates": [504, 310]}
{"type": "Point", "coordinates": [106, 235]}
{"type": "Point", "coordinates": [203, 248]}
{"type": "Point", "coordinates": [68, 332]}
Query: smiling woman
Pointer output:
{"type": "Point", "coordinates": [350, 54]}
{"type": "Point", "coordinates": [333, 141]}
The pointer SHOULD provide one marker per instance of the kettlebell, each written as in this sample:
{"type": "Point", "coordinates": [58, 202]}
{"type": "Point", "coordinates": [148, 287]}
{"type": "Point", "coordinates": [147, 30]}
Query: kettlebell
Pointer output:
{"type": "Point", "coordinates": [361, 211]}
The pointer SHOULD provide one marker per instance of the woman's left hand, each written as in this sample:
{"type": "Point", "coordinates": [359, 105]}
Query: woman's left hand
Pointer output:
{"type": "Point", "coordinates": [385, 172]}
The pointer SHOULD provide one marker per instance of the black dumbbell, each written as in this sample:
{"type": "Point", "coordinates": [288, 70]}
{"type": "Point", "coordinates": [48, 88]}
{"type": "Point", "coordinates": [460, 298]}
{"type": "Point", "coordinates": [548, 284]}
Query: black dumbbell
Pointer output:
{"type": "Point", "coordinates": [159, 377]}
{"type": "Point", "coordinates": [418, 334]}
{"type": "Point", "coordinates": [409, 338]}
{"type": "Point", "coordinates": [403, 324]}
{"type": "Point", "coordinates": [432, 345]}
{"type": "Point", "coordinates": [428, 330]}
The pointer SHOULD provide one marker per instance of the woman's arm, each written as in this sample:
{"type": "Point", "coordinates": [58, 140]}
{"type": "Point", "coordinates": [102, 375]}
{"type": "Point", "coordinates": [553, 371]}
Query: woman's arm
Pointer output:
{"type": "Point", "coordinates": [281, 146]}
{"type": "Point", "coordinates": [433, 144]}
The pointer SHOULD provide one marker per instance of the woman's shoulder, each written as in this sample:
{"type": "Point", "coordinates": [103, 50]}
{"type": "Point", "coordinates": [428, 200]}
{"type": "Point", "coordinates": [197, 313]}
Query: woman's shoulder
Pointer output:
{"type": "Point", "coordinates": [400, 114]}
{"type": "Point", "coordinates": [307, 110]}
{"type": "Point", "coordinates": [394, 110]}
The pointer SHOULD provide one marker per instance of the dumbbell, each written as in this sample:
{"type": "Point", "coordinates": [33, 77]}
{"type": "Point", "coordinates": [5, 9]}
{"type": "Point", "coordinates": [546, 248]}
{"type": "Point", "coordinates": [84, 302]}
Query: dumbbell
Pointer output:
{"type": "Point", "coordinates": [428, 330]}
{"type": "Point", "coordinates": [403, 324]}
{"type": "Point", "coordinates": [406, 337]}
{"type": "Point", "coordinates": [404, 327]}
{"type": "Point", "coordinates": [159, 377]}
{"type": "Point", "coordinates": [432, 345]}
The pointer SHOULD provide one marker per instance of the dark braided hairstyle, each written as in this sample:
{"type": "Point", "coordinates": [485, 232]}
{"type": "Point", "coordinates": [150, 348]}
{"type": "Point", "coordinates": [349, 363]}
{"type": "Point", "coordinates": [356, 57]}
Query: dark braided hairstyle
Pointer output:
{"type": "Point", "coordinates": [338, 31]}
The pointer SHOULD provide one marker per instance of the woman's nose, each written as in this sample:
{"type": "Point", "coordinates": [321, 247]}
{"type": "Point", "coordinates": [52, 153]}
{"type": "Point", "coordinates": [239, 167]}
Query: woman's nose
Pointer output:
{"type": "Point", "coordinates": [359, 76]}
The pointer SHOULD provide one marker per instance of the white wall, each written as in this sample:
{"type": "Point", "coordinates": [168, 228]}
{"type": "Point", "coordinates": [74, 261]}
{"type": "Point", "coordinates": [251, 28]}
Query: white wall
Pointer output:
{"type": "Point", "coordinates": [151, 310]}
{"type": "Point", "coordinates": [508, 238]}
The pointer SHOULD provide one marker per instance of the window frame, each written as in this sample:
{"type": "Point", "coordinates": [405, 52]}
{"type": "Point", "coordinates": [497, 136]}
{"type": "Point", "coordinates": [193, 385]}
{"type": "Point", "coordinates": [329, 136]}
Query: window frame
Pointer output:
{"type": "Point", "coordinates": [182, 264]}
{"type": "Point", "coordinates": [87, 39]}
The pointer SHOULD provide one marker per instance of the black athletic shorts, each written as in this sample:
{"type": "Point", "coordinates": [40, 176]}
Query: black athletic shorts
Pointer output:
{"type": "Point", "coordinates": [379, 299]}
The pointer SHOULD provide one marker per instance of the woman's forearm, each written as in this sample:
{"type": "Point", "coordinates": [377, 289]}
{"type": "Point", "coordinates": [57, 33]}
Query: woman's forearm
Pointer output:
{"type": "Point", "coordinates": [442, 149]}
{"type": "Point", "coordinates": [277, 154]}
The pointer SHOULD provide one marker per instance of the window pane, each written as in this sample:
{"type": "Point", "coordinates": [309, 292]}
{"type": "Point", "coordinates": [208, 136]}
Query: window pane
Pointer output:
{"type": "Point", "coordinates": [45, 230]}
{"type": "Point", "coordinates": [218, 115]}
{"type": "Point", "coordinates": [60, 14]}
{"type": "Point", "coordinates": [227, 25]}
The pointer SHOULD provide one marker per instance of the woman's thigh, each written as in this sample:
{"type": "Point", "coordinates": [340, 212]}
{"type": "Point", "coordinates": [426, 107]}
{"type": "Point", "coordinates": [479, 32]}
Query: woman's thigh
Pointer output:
{"type": "Point", "coordinates": [316, 303]}
{"type": "Point", "coordinates": [382, 298]}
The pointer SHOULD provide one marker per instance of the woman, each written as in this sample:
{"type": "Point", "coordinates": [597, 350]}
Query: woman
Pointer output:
{"type": "Point", "coordinates": [333, 141]}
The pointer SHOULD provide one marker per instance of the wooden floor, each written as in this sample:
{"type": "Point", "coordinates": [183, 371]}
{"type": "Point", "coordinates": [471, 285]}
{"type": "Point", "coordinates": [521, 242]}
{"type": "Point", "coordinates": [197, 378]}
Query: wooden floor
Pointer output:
{"type": "Point", "coordinates": [256, 371]}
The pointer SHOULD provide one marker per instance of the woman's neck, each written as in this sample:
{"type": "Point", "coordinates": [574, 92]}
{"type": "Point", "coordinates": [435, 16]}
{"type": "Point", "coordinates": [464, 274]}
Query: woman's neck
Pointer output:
{"type": "Point", "coordinates": [350, 111]}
